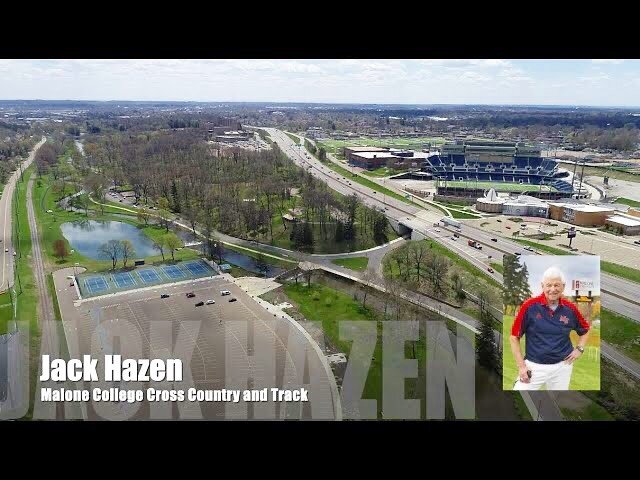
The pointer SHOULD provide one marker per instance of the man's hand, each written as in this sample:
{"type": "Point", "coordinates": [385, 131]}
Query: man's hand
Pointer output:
{"type": "Point", "coordinates": [522, 374]}
{"type": "Point", "coordinates": [573, 356]}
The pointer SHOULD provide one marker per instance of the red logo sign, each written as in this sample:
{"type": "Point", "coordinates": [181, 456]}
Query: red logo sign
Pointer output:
{"type": "Point", "coordinates": [564, 319]}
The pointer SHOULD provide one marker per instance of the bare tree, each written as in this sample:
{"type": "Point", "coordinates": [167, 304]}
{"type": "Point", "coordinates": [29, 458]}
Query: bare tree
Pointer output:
{"type": "Point", "coordinates": [111, 250]}
{"type": "Point", "coordinates": [127, 251]}
{"type": "Point", "coordinates": [159, 244]}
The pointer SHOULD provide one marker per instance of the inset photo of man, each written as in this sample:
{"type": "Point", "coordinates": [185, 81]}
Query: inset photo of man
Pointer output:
{"type": "Point", "coordinates": [551, 322]}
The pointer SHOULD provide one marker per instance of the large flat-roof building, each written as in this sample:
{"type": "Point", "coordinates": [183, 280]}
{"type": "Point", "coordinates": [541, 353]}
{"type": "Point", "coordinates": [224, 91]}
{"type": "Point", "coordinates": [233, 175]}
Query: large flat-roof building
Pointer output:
{"type": "Point", "coordinates": [579, 214]}
{"type": "Point", "coordinates": [624, 224]}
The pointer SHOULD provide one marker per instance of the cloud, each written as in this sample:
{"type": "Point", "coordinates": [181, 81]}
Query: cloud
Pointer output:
{"type": "Point", "coordinates": [607, 60]}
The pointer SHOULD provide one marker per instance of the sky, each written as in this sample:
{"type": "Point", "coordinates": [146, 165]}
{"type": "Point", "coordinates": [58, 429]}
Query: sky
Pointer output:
{"type": "Point", "coordinates": [480, 81]}
{"type": "Point", "coordinates": [574, 267]}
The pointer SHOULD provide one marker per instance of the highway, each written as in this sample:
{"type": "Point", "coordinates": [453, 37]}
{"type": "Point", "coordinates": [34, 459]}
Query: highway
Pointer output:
{"type": "Point", "coordinates": [6, 280]}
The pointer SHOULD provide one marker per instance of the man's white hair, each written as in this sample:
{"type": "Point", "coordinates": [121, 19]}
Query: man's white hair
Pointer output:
{"type": "Point", "coordinates": [553, 272]}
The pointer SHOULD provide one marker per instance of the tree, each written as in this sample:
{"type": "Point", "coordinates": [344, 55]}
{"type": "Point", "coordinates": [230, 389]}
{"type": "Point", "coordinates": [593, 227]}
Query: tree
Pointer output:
{"type": "Point", "coordinates": [164, 218]}
{"type": "Point", "coordinates": [173, 242]}
{"type": "Point", "coordinates": [112, 250]}
{"type": "Point", "coordinates": [60, 249]}
{"type": "Point", "coordinates": [144, 215]}
{"type": "Point", "coordinates": [96, 185]}
{"type": "Point", "coordinates": [82, 201]}
{"type": "Point", "coordinates": [486, 348]}
{"type": "Point", "coordinates": [127, 251]}
{"type": "Point", "coordinates": [158, 244]}
{"type": "Point", "coordinates": [457, 284]}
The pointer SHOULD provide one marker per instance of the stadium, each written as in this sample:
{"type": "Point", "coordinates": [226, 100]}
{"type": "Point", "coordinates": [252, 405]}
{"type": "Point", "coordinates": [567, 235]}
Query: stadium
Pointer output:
{"type": "Point", "coordinates": [470, 168]}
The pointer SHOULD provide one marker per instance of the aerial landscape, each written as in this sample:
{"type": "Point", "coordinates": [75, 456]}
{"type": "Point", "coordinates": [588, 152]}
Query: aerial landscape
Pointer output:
{"type": "Point", "coordinates": [356, 245]}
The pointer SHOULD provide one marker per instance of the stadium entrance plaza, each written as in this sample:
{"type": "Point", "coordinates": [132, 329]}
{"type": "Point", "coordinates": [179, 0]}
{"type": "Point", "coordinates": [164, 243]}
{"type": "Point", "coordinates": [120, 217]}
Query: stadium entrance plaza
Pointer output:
{"type": "Point", "coordinates": [228, 345]}
{"type": "Point", "coordinates": [611, 248]}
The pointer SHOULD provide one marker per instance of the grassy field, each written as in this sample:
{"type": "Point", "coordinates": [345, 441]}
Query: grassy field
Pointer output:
{"type": "Point", "coordinates": [628, 201]}
{"type": "Point", "coordinates": [353, 263]}
{"type": "Point", "coordinates": [617, 174]}
{"type": "Point", "coordinates": [330, 307]}
{"type": "Point", "coordinates": [293, 137]}
{"type": "Point", "coordinates": [397, 142]}
{"type": "Point", "coordinates": [27, 294]}
{"type": "Point", "coordinates": [592, 411]}
{"type": "Point", "coordinates": [544, 248]}
{"type": "Point", "coordinates": [499, 186]}
{"type": "Point", "coordinates": [384, 172]}
{"type": "Point", "coordinates": [6, 312]}
{"type": "Point", "coordinates": [54, 296]}
{"type": "Point", "coordinates": [622, 333]}
{"type": "Point", "coordinates": [586, 370]}
{"type": "Point", "coordinates": [497, 267]}
{"type": "Point", "coordinates": [459, 214]}
{"type": "Point", "coordinates": [621, 271]}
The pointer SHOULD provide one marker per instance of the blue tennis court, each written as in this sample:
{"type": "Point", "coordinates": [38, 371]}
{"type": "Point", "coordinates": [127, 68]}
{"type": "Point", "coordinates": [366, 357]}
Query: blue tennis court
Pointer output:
{"type": "Point", "coordinates": [196, 268]}
{"type": "Point", "coordinates": [95, 285]}
{"type": "Point", "coordinates": [123, 279]}
{"type": "Point", "coordinates": [172, 271]}
{"type": "Point", "coordinates": [149, 276]}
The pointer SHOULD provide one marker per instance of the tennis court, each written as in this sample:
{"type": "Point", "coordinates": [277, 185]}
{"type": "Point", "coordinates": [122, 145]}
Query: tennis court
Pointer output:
{"type": "Point", "coordinates": [173, 272]}
{"type": "Point", "coordinates": [95, 284]}
{"type": "Point", "coordinates": [123, 279]}
{"type": "Point", "coordinates": [149, 276]}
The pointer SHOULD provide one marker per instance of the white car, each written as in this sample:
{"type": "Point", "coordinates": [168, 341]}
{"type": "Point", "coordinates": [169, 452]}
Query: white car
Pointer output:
{"type": "Point", "coordinates": [438, 230]}
{"type": "Point", "coordinates": [225, 292]}
{"type": "Point", "coordinates": [6, 250]}
{"type": "Point", "coordinates": [210, 302]}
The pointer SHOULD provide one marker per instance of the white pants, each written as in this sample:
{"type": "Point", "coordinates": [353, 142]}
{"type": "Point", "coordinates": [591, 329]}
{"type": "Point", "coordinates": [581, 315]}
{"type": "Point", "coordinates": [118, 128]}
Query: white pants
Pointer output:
{"type": "Point", "coordinates": [556, 376]}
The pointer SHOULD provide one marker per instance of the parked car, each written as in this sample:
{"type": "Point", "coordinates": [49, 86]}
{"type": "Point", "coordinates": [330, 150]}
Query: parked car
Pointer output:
{"type": "Point", "coordinates": [517, 254]}
{"type": "Point", "coordinates": [71, 284]}
{"type": "Point", "coordinates": [438, 230]}
{"type": "Point", "coordinates": [490, 270]}
{"type": "Point", "coordinates": [499, 221]}
{"type": "Point", "coordinates": [6, 250]}
{"type": "Point", "coordinates": [637, 242]}
{"type": "Point", "coordinates": [191, 295]}
{"type": "Point", "coordinates": [508, 227]}
{"type": "Point", "coordinates": [225, 292]}
{"type": "Point", "coordinates": [494, 239]}
{"type": "Point", "coordinates": [164, 295]}
{"type": "Point", "coordinates": [199, 304]}
{"type": "Point", "coordinates": [232, 299]}
{"type": "Point", "coordinates": [210, 302]}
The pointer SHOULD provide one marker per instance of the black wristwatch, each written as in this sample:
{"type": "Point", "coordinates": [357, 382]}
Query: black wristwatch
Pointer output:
{"type": "Point", "coordinates": [580, 349]}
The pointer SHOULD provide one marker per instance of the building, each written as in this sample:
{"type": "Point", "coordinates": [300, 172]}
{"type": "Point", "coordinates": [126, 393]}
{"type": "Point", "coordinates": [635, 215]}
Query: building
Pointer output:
{"type": "Point", "coordinates": [624, 224]}
{"type": "Point", "coordinates": [526, 206]}
{"type": "Point", "coordinates": [579, 214]}
{"type": "Point", "coordinates": [490, 203]}
{"type": "Point", "coordinates": [371, 160]}
{"type": "Point", "coordinates": [349, 151]}
{"type": "Point", "coordinates": [634, 212]}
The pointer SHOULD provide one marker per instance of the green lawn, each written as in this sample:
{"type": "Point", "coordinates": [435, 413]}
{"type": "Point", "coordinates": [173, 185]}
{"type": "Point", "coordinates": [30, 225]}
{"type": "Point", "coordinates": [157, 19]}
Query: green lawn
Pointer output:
{"type": "Point", "coordinates": [353, 263]}
{"type": "Point", "coordinates": [54, 296]}
{"type": "Point", "coordinates": [397, 142]}
{"type": "Point", "coordinates": [586, 370]}
{"type": "Point", "coordinates": [622, 333]}
{"type": "Point", "coordinates": [628, 201]}
{"type": "Point", "coordinates": [384, 172]}
{"type": "Point", "coordinates": [323, 304]}
{"type": "Point", "coordinates": [497, 267]}
{"type": "Point", "coordinates": [498, 186]}
{"type": "Point", "coordinates": [26, 291]}
{"type": "Point", "coordinates": [592, 411]}
{"type": "Point", "coordinates": [293, 137]}
{"type": "Point", "coordinates": [544, 248]}
{"type": "Point", "coordinates": [463, 215]}
{"type": "Point", "coordinates": [621, 271]}
{"type": "Point", "coordinates": [6, 312]}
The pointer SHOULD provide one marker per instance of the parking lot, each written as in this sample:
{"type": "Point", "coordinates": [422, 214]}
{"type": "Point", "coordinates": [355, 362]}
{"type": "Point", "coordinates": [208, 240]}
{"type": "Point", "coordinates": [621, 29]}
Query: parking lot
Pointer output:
{"type": "Point", "coordinates": [232, 345]}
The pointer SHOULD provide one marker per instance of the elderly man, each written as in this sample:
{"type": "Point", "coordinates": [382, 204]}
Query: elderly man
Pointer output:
{"type": "Point", "coordinates": [546, 322]}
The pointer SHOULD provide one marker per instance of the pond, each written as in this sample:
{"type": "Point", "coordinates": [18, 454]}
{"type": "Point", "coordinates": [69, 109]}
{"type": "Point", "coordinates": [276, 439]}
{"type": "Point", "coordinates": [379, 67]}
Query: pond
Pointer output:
{"type": "Point", "coordinates": [86, 236]}
{"type": "Point", "coordinates": [249, 263]}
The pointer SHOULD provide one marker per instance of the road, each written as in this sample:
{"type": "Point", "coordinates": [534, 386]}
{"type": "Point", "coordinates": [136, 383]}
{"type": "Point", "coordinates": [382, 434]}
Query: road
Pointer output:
{"type": "Point", "coordinates": [5, 214]}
